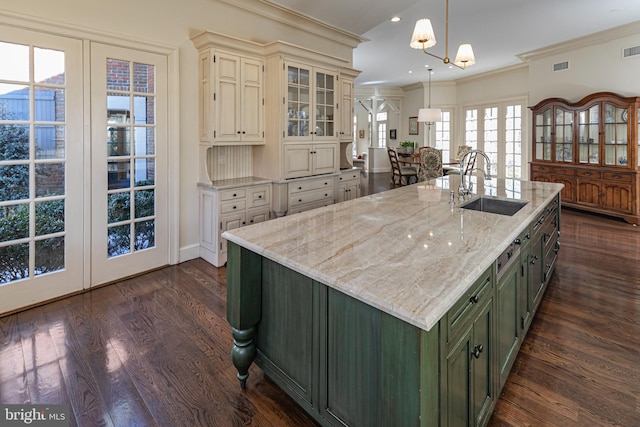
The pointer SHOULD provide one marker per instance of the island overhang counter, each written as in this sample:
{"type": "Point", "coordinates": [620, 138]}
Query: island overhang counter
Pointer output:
{"type": "Point", "coordinates": [356, 309]}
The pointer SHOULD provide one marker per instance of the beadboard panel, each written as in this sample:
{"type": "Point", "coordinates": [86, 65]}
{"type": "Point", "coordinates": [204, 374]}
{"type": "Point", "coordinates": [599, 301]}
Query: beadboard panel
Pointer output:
{"type": "Point", "coordinates": [229, 162]}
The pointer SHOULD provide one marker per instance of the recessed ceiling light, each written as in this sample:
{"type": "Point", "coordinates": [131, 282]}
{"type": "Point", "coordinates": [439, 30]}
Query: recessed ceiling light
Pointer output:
{"type": "Point", "coordinates": [395, 19]}
{"type": "Point", "coordinates": [410, 72]}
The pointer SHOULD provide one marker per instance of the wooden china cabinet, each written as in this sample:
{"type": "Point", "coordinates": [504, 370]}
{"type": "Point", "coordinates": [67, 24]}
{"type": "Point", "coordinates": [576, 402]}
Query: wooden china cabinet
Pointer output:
{"type": "Point", "coordinates": [592, 147]}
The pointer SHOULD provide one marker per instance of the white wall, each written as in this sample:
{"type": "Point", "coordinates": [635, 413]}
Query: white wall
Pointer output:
{"type": "Point", "coordinates": [172, 23]}
{"type": "Point", "coordinates": [595, 65]}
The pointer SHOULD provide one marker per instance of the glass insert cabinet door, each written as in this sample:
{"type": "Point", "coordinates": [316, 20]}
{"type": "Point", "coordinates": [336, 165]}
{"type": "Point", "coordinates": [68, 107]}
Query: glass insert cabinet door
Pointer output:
{"type": "Point", "coordinates": [325, 104]}
{"type": "Point", "coordinates": [543, 135]}
{"type": "Point", "coordinates": [588, 135]}
{"type": "Point", "coordinates": [615, 135]}
{"type": "Point", "coordinates": [564, 135]}
{"type": "Point", "coordinates": [311, 103]}
{"type": "Point", "coordinates": [299, 101]}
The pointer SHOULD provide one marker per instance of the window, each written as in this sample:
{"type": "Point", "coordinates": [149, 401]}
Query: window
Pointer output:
{"type": "Point", "coordinates": [382, 135]}
{"type": "Point", "coordinates": [499, 135]}
{"type": "Point", "coordinates": [513, 142]}
{"type": "Point", "coordinates": [471, 129]}
{"type": "Point", "coordinates": [381, 119]}
{"type": "Point", "coordinates": [443, 136]}
{"type": "Point", "coordinates": [490, 137]}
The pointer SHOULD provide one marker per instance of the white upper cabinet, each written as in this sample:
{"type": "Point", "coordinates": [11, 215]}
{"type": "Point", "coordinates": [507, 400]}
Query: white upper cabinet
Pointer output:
{"type": "Point", "coordinates": [347, 90]}
{"type": "Point", "coordinates": [231, 90]}
{"type": "Point", "coordinates": [237, 99]}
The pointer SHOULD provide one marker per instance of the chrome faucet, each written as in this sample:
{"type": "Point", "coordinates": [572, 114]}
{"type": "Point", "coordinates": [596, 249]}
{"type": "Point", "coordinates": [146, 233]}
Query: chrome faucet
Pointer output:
{"type": "Point", "coordinates": [467, 168]}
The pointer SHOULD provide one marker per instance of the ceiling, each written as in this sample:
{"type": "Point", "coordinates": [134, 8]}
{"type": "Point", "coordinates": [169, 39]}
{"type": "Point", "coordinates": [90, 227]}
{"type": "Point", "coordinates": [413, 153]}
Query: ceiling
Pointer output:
{"type": "Point", "coordinates": [498, 30]}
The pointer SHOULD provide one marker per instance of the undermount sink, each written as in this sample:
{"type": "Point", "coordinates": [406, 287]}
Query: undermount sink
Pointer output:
{"type": "Point", "coordinates": [494, 205]}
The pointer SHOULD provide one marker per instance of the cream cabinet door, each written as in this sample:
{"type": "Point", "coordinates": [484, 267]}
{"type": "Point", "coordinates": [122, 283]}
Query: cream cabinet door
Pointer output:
{"type": "Point", "coordinates": [324, 158]}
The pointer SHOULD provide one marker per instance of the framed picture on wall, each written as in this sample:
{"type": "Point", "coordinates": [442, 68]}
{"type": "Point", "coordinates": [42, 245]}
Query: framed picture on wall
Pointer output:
{"type": "Point", "coordinates": [361, 133]}
{"type": "Point", "coordinates": [413, 125]}
{"type": "Point", "coordinates": [392, 134]}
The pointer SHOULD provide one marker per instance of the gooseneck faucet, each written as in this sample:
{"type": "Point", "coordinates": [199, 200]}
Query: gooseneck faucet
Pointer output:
{"type": "Point", "coordinates": [467, 166]}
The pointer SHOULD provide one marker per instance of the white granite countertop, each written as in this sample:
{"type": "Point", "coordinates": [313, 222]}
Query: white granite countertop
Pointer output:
{"type": "Point", "coordinates": [410, 258]}
{"type": "Point", "coordinates": [223, 184]}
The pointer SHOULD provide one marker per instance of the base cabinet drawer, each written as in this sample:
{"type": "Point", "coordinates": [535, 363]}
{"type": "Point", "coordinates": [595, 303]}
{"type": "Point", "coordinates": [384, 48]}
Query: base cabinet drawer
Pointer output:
{"type": "Point", "coordinates": [226, 209]}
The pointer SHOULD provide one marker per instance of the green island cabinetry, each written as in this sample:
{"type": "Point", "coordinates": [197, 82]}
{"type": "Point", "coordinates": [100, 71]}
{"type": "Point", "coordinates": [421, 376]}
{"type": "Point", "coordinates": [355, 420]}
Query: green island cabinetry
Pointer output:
{"type": "Point", "coordinates": [348, 362]}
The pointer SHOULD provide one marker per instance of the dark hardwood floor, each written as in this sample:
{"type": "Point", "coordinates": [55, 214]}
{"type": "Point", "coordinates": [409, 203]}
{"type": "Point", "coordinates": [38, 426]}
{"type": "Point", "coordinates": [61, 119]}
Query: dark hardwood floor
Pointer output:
{"type": "Point", "coordinates": [154, 350]}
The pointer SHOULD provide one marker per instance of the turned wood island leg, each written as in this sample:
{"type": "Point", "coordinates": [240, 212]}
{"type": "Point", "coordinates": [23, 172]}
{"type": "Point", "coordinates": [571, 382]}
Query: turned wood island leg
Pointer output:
{"type": "Point", "coordinates": [243, 352]}
{"type": "Point", "coordinates": [244, 306]}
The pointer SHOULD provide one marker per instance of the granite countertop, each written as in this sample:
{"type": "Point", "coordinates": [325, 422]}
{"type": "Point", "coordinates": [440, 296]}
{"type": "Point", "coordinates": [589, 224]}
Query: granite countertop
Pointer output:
{"type": "Point", "coordinates": [223, 184]}
{"type": "Point", "coordinates": [410, 258]}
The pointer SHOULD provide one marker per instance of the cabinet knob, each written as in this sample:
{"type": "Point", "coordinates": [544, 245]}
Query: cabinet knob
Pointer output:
{"type": "Point", "coordinates": [234, 194]}
{"type": "Point", "coordinates": [534, 259]}
{"type": "Point", "coordinates": [299, 200]}
{"type": "Point", "coordinates": [477, 350]}
{"type": "Point", "coordinates": [474, 299]}
{"type": "Point", "coordinates": [260, 197]}
{"type": "Point", "coordinates": [234, 207]}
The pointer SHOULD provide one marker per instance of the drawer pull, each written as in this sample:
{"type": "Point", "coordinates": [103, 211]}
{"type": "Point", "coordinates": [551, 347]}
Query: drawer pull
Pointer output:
{"type": "Point", "coordinates": [299, 188]}
{"type": "Point", "coordinates": [260, 197]}
{"type": "Point", "coordinates": [534, 259]}
{"type": "Point", "coordinates": [235, 195]}
{"type": "Point", "coordinates": [477, 350]}
{"type": "Point", "coordinates": [299, 200]}
{"type": "Point", "coordinates": [587, 174]}
{"type": "Point", "coordinates": [616, 176]}
{"type": "Point", "coordinates": [474, 299]}
{"type": "Point", "coordinates": [234, 207]}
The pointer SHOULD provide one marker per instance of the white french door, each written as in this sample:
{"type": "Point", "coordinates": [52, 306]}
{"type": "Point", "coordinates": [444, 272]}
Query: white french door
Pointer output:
{"type": "Point", "coordinates": [41, 169]}
{"type": "Point", "coordinates": [129, 230]}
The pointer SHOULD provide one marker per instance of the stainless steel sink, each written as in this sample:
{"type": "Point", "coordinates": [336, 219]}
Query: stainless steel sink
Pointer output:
{"type": "Point", "coordinates": [494, 205]}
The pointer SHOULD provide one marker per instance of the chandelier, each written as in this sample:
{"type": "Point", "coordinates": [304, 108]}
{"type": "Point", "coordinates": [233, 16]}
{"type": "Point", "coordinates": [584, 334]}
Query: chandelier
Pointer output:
{"type": "Point", "coordinates": [424, 37]}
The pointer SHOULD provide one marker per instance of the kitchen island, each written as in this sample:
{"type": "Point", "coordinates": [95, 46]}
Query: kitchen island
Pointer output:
{"type": "Point", "coordinates": [397, 308]}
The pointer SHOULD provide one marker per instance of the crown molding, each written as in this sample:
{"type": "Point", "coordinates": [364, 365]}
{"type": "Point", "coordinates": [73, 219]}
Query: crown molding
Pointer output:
{"type": "Point", "coordinates": [632, 29]}
{"type": "Point", "coordinates": [299, 21]}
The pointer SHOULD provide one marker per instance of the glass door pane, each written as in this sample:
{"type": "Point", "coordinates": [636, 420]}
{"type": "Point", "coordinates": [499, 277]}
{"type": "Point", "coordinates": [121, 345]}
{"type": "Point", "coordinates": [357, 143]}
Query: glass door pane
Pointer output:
{"type": "Point", "coordinates": [325, 104]}
{"type": "Point", "coordinates": [298, 89]}
{"type": "Point", "coordinates": [33, 141]}
{"type": "Point", "coordinates": [130, 159]}
{"type": "Point", "coordinates": [615, 136]}
{"type": "Point", "coordinates": [588, 133]}
{"type": "Point", "coordinates": [564, 135]}
{"type": "Point", "coordinates": [129, 227]}
{"type": "Point", "coordinates": [543, 135]}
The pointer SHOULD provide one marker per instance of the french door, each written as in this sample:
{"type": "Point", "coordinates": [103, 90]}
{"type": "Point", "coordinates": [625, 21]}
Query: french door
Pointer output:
{"type": "Point", "coordinates": [41, 169]}
{"type": "Point", "coordinates": [83, 196]}
{"type": "Point", "coordinates": [129, 227]}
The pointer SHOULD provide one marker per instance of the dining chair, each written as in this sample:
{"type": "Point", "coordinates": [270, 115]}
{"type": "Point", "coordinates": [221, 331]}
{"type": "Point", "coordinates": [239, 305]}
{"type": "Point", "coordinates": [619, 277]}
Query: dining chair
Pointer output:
{"type": "Point", "coordinates": [399, 172]}
{"type": "Point", "coordinates": [462, 150]}
{"type": "Point", "coordinates": [430, 164]}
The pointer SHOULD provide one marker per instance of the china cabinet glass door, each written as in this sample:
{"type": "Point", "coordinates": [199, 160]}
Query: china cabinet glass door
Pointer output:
{"type": "Point", "coordinates": [324, 103]}
{"type": "Point", "coordinates": [543, 135]}
{"type": "Point", "coordinates": [564, 135]}
{"type": "Point", "coordinates": [615, 135]}
{"type": "Point", "coordinates": [298, 89]}
{"type": "Point", "coordinates": [588, 121]}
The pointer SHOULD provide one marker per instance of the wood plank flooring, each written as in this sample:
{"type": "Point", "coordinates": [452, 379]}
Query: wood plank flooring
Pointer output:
{"type": "Point", "coordinates": [154, 350]}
